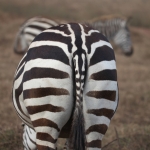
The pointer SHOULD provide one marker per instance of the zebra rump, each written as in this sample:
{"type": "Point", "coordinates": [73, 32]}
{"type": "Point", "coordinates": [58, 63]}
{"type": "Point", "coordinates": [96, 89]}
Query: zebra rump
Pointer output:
{"type": "Point", "coordinates": [67, 82]}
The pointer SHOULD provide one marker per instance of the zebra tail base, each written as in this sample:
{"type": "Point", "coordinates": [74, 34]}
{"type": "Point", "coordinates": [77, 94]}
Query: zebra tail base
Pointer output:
{"type": "Point", "coordinates": [77, 135]}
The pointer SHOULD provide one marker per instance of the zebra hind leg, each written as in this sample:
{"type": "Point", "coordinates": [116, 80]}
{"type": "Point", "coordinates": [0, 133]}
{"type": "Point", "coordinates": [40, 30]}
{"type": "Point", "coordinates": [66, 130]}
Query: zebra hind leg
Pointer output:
{"type": "Point", "coordinates": [29, 137]}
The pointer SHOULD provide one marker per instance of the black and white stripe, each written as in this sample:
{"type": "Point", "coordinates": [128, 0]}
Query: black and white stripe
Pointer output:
{"type": "Point", "coordinates": [66, 86]}
{"type": "Point", "coordinates": [29, 30]}
{"type": "Point", "coordinates": [29, 138]}
{"type": "Point", "coordinates": [116, 29]}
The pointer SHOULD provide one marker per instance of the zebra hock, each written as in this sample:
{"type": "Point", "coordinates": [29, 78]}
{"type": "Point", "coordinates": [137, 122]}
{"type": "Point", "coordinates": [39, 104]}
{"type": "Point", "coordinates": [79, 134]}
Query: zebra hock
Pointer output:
{"type": "Point", "coordinates": [29, 30]}
{"type": "Point", "coordinates": [66, 86]}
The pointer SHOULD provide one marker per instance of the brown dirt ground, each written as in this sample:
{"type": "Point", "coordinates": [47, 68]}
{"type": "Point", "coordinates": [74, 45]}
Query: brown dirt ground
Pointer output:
{"type": "Point", "coordinates": [132, 119]}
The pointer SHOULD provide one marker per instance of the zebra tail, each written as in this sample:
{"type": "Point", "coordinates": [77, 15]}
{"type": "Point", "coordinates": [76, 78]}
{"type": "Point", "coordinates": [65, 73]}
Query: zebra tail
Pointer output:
{"type": "Point", "coordinates": [77, 135]}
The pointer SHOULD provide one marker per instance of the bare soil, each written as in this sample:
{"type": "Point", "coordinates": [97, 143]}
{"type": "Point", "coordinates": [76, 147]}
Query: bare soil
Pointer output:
{"type": "Point", "coordinates": [132, 119]}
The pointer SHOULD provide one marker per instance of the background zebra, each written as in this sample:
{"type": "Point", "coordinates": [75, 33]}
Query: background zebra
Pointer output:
{"type": "Point", "coordinates": [68, 73]}
{"type": "Point", "coordinates": [115, 28]}
{"type": "Point", "coordinates": [29, 30]}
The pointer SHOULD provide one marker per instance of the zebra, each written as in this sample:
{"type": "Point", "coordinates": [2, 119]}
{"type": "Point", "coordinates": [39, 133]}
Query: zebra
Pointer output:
{"type": "Point", "coordinates": [115, 28]}
{"type": "Point", "coordinates": [65, 86]}
{"type": "Point", "coordinates": [29, 30]}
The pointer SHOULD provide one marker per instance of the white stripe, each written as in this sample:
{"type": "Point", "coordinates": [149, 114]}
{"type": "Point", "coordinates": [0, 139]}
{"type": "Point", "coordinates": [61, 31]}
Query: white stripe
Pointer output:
{"type": "Point", "coordinates": [60, 101]}
{"type": "Point", "coordinates": [32, 30]}
{"type": "Point", "coordinates": [42, 24]}
{"type": "Point", "coordinates": [94, 136]}
{"type": "Point", "coordinates": [19, 69]}
{"type": "Point", "coordinates": [48, 82]}
{"type": "Point", "coordinates": [92, 31]}
{"type": "Point", "coordinates": [74, 48]}
{"type": "Point", "coordinates": [18, 81]}
{"type": "Point", "coordinates": [21, 61]}
{"type": "Point", "coordinates": [63, 46]}
{"type": "Point", "coordinates": [78, 84]}
{"type": "Point", "coordinates": [83, 39]}
{"type": "Point", "coordinates": [95, 85]}
{"type": "Point", "coordinates": [93, 103]}
{"type": "Point", "coordinates": [51, 131]}
{"type": "Point", "coordinates": [45, 143]}
{"type": "Point", "coordinates": [83, 65]}
{"type": "Point", "coordinates": [29, 37]}
{"type": "Point", "coordinates": [76, 59]}
{"type": "Point", "coordinates": [48, 63]}
{"type": "Point", "coordinates": [91, 120]}
{"type": "Point", "coordinates": [57, 31]}
{"type": "Point", "coordinates": [22, 104]}
{"type": "Point", "coordinates": [47, 115]}
{"type": "Point", "coordinates": [103, 65]}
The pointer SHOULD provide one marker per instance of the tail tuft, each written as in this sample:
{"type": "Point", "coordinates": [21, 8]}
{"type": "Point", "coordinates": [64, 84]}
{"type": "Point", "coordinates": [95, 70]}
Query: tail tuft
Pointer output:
{"type": "Point", "coordinates": [77, 138]}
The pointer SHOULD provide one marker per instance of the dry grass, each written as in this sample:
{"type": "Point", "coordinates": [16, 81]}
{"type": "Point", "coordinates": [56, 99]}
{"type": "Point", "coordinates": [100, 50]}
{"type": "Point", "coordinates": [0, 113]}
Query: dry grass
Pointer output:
{"type": "Point", "coordinates": [79, 10]}
{"type": "Point", "coordinates": [11, 139]}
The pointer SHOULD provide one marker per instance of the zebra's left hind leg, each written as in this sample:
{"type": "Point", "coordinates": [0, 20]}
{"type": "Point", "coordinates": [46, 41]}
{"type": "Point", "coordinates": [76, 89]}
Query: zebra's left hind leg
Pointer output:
{"type": "Point", "coordinates": [29, 138]}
